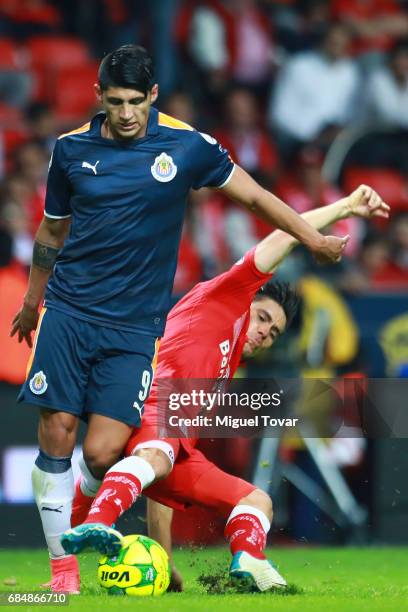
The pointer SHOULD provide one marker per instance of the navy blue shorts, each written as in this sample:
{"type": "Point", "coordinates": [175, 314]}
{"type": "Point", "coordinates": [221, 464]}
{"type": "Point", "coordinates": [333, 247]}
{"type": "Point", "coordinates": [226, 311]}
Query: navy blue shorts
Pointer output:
{"type": "Point", "coordinates": [81, 368]}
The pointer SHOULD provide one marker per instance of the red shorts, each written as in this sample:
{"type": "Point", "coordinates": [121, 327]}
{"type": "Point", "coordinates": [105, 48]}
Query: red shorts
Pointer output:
{"type": "Point", "coordinates": [194, 480]}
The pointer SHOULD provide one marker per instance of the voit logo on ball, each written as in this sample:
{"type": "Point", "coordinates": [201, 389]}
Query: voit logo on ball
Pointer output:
{"type": "Point", "coordinates": [38, 383]}
{"type": "Point", "coordinates": [164, 169]}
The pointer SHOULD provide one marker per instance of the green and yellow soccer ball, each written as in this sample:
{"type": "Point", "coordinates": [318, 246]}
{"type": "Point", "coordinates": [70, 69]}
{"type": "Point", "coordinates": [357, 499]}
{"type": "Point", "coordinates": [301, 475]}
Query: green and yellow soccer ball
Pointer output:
{"type": "Point", "coordinates": [141, 568]}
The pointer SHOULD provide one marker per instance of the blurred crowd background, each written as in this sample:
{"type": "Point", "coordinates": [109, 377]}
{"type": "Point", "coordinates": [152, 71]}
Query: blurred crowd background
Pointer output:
{"type": "Point", "coordinates": [309, 96]}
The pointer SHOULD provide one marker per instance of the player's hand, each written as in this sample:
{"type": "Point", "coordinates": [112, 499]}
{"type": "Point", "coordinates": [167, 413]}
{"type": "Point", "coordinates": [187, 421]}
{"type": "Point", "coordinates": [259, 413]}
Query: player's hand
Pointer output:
{"type": "Point", "coordinates": [24, 323]}
{"type": "Point", "coordinates": [330, 249]}
{"type": "Point", "coordinates": [365, 202]}
{"type": "Point", "coordinates": [176, 581]}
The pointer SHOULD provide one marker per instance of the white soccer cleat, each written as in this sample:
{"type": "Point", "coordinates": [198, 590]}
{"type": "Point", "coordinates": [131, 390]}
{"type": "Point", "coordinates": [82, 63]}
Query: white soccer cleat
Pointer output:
{"type": "Point", "coordinates": [261, 571]}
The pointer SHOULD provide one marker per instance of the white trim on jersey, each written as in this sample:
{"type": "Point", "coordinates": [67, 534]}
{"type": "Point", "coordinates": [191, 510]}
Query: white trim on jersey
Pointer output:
{"type": "Point", "coordinates": [55, 216]}
{"type": "Point", "coordinates": [159, 444]}
{"type": "Point", "coordinates": [228, 178]}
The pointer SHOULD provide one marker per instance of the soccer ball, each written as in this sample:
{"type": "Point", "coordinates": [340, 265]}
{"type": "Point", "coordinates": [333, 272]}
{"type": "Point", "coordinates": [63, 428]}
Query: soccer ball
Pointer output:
{"type": "Point", "coordinates": [141, 568]}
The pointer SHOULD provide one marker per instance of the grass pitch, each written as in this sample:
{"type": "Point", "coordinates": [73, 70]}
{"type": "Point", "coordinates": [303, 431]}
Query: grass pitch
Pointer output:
{"type": "Point", "coordinates": [346, 579]}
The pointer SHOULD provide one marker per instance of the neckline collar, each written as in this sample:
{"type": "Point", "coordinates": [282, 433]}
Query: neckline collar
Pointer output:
{"type": "Point", "coordinates": [152, 128]}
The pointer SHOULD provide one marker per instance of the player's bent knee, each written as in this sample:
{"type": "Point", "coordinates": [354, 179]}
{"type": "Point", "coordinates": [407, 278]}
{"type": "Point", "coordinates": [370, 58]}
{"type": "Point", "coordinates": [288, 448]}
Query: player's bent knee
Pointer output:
{"type": "Point", "coordinates": [259, 499]}
{"type": "Point", "coordinates": [99, 460]}
{"type": "Point", "coordinates": [158, 459]}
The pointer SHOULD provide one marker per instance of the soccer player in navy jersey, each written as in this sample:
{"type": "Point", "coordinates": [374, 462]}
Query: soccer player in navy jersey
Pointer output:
{"type": "Point", "coordinates": [104, 260]}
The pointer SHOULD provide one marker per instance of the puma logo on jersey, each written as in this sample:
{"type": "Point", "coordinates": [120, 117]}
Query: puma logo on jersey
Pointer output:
{"type": "Point", "coordinates": [138, 408]}
{"type": "Point", "coordinates": [86, 164]}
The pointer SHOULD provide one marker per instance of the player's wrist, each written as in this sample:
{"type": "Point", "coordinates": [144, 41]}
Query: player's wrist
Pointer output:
{"type": "Point", "coordinates": [317, 243]}
{"type": "Point", "coordinates": [346, 208]}
{"type": "Point", "coordinates": [342, 209]}
{"type": "Point", "coordinates": [30, 302]}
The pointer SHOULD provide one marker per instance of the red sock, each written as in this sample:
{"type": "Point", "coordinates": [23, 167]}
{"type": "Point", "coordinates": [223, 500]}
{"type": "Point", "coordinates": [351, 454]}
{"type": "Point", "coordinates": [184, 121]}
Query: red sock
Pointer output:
{"type": "Point", "coordinates": [118, 493]}
{"type": "Point", "coordinates": [81, 505]}
{"type": "Point", "coordinates": [245, 533]}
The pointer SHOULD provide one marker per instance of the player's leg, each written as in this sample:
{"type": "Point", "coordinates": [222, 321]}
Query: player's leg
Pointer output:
{"type": "Point", "coordinates": [88, 484]}
{"type": "Point", "coordinates": [246, 530]}
{"type": "Point", "coordinates": [53, 487]}
{"type": "Point", "coordinates": [118, 385]}
{"type": "Point", "coordinates": [86, 488]}
{"type": "Point", "coordinates": [253, 513]}
{"type": "Point", "coordinates": [248, 511]}
{"type": "Point", "coordinates": [125, 481]}
{"type": "Point", "coordinates": [52, 477]}
{"type": "Point", "coordinates": [102, 448]}
{"type": "Point", "coordinates": [121, 487]}
{"type": "Point", "coordinates": [56, 383]}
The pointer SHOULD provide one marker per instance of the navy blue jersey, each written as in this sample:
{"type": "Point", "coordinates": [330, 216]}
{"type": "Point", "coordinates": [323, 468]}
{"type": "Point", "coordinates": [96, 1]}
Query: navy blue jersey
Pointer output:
{"type": "Point", "coordinates": [126, 201]}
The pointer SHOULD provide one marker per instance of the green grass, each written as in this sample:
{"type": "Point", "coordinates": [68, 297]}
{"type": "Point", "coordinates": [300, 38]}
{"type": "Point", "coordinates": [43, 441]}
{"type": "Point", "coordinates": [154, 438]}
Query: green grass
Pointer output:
{"type": "Point", "coordinates": [346, 579]}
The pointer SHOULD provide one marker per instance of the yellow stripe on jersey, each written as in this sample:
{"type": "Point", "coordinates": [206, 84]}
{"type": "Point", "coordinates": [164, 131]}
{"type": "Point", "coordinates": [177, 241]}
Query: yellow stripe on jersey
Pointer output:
{"type": "Point", "coordinates": [83, 128]}
{"type": "Point", "coordinates": [37, 331]}
{"type": "Point", "coordinates": [156, 355]}
{"type": "Point", "coordinates": [172, 122]}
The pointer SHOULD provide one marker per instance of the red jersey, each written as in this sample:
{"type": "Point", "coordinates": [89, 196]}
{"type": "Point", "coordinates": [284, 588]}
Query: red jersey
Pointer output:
{"type": "Point", "coordinates": [206, 331]}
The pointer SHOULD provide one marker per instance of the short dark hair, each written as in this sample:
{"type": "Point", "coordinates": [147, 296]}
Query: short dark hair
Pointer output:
{"type": "Point", "coordinates": [130, 67]}
{"type": "Point", "coordinates": [283, 294]}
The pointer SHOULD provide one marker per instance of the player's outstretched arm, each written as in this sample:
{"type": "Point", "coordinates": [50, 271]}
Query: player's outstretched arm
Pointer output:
{"type": "Point", "coordinates": [242, 188]}
{"type": "Point", "coordinates": [363, 202]}
{"type": "Point", "coordinates": [159, 519]}
{"type": "Point", "coordinates": [48, 241]}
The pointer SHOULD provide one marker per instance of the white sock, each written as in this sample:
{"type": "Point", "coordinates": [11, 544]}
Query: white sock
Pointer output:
{"type": "Point", "coordinates": [89, 484]}
{"type": "Point", "coordinates": [53, 486]}
{"type": "Point", "coordinates": [137, 467]}
{"type": "Point", "coordinates": [246, 509]}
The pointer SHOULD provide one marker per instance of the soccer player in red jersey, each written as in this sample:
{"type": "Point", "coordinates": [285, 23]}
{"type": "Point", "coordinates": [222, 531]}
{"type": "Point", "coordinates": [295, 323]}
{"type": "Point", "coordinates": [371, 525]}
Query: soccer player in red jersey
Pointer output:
{"type": "Point", "coordinates": [235, 314]}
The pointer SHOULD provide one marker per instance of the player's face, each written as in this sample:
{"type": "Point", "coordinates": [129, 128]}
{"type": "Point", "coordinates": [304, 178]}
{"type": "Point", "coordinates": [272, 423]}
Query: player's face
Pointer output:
{"type": "Point", "coordinates": [127, 111]}
{"type": "Point", "coordinates": [267, 322]}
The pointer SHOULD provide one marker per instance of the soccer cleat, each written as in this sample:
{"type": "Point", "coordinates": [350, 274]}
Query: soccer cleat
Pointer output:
{"type": "Point", "coordinates": [64, 576]}
{"type": "Point", "coordinates": [97, 536]}
{"type": "Point", "coordinates": [81, 505]}
{"type": "Point", "coordinates": [261, 572]}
